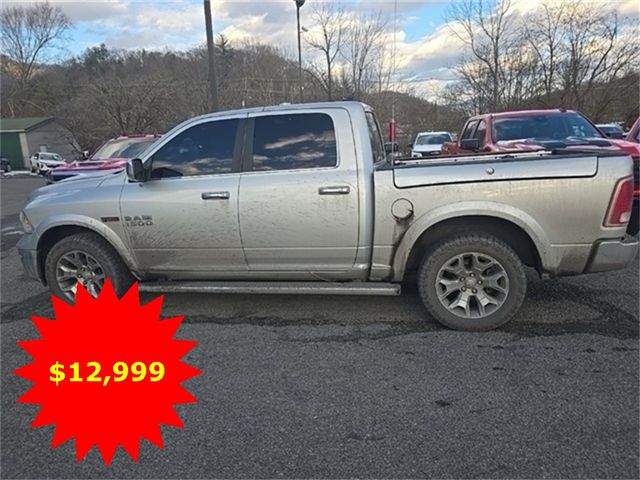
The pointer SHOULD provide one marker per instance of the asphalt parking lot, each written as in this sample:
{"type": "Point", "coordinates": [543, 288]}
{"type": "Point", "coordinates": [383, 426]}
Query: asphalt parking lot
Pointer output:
{"type": "Point", "coordinates": [365, 387]}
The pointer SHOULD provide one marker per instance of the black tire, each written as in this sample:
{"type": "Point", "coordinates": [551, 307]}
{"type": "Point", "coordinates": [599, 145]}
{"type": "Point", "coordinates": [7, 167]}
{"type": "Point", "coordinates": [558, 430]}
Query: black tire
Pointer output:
{"type": "Point", "coordinates": [33, 169]}
{"type": "Point", "coordinates": [101, 250]}
{"type": "Point", "coordinates": [469, 245]}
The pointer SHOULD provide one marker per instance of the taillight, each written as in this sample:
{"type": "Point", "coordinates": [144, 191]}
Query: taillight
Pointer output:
{"type": "Point", "coordinates": [619, 212]}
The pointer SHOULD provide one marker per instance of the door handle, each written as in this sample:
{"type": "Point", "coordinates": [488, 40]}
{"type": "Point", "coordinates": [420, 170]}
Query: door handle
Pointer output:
{"type": "Point", "coordinates": [334, 190]}
{"type": "Point", "coordinates": [215, 195]}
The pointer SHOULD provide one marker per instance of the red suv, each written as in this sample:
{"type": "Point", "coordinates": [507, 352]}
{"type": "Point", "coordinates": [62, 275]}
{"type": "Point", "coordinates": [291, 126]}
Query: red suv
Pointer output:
{"type": "Point", "coordinates": [529, 130]}
{"type": "Point", "coordinates": [112, 155]}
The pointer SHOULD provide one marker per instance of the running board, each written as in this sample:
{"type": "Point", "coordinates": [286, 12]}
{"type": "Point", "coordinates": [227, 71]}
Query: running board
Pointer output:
{"type": "Point", "coordinates": [288, 288]}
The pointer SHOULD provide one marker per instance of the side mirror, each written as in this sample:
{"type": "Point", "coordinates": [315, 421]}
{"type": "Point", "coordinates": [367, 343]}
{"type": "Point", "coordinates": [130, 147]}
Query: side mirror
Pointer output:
{"type": "Point", "coordinates": [410, 145]}
{"type": "Point", "coordinates": [85, 154]}
{"type": "Point", "coordinates": [136, 170]}
{"type": "Point", "coordinates": [470, 144]}
{"type": "Point", "coordinates": [387, 148]}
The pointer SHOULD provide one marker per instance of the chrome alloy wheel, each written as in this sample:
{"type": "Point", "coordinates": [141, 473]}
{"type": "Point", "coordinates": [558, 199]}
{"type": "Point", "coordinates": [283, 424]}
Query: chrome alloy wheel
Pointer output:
{"type": "Point", "coordinates": [79, 267]}
{"type": "Point", "coordinates": [472, 285]}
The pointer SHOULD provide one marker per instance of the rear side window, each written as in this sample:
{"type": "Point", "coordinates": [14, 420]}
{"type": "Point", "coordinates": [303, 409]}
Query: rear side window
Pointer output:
{"type": "Point", "coordinates": [203, 149]}
{"type": "Point", "coordinates": [293, 142]}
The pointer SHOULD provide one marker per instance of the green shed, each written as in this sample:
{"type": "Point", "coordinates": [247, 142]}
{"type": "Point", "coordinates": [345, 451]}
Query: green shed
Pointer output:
{"type": "Point", "coordinates": [20, 138]}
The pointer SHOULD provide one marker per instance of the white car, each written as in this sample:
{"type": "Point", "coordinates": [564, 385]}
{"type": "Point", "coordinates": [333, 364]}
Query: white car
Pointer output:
{"type": "Point", "coordinates": [429, 144]}
{"type": "Point", "coordinates": [42, 162]}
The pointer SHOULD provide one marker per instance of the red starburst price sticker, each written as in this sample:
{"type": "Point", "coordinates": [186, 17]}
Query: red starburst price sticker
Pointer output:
{"type": "Point", "coordinates": [107, 372]}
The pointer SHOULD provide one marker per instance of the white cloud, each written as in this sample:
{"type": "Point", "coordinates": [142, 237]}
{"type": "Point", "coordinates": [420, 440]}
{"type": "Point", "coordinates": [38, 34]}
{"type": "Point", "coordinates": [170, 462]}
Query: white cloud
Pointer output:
{"type": "Point", "coordinates": [629, 7]}
{"type": "Point", "coordinates": [189, 18]}
{"type": "Point", "coordinates": [84, 11]}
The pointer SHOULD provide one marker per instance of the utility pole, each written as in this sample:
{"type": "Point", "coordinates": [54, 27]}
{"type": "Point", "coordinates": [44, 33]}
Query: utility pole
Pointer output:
{"type": "Point", "coordinates": [299, 3]}
{"type": "Point", "coordinates": [213, 83]}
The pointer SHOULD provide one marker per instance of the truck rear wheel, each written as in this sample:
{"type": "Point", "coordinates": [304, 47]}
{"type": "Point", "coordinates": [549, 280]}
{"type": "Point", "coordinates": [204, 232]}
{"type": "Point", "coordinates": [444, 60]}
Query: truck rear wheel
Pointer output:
{"type": "Point", "coordinates": [472, 282]}
{"type": "Point", "coordinates": [88, 259]}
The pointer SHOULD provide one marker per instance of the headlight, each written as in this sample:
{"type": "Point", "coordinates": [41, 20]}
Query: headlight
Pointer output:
{"type": "Point", "coordinates": [26, 224]}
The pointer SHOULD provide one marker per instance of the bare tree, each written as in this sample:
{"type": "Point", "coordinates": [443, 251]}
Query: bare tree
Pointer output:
{"type": "Point", "coordinates": [28, 34]}
{"type": "Point", "coordinates": [485, 27]}
{"type": "Point", "coordinates": [329, 18]}
{"type": "Point", "coordinates": [594, 54]}
{"type": "Point", "coordinates": [364, 37]}
{"type": "Point", "coordinates": [544, 32]}
{"type": "Point", "coordinates": [582, 52]}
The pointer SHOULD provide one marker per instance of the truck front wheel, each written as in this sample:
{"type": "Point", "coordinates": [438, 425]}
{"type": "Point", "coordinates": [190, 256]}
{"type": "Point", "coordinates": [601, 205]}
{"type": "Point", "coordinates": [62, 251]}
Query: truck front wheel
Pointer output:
{"type": "Point", "coordinates": [88, 259]}
{"type": "Point", "coordinates": [472, 282]}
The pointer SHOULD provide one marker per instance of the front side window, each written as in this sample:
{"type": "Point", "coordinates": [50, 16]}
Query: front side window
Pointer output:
{"type": "Point", "coordinates": [203, 149]}
{"type": "Point", "coordinates": [481, 132]}
{"type": "Point", "coordinates": [468, 131]}
{"type": "Point", "coordinates": [295, 141]}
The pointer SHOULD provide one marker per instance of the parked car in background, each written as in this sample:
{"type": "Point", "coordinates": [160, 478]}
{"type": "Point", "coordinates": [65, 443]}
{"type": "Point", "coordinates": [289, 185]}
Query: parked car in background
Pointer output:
{"type": "Point", "coordinates": [634, 133]}
{"type": "Point", "coordinates": [531, 130]}
{"type": "Point", "coordinates": [428, 144]}
{"type": "Point", "coordinates": [302, 199]}
{"type": "Point", "coordinates": [611, 130]}
{"type": "Point", "coordinates": [111, 156]}
{"type": "Point", "coordinates": [5, 165]}
{"type": "Point", "coordinates": [42, 162]}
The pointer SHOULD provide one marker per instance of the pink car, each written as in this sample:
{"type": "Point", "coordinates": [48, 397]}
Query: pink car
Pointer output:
{"type": "Point", "coordinates": [112, 155]}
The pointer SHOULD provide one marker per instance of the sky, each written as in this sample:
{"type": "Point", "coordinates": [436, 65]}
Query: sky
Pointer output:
{"type": "Point", "coordinates": [426, 49]}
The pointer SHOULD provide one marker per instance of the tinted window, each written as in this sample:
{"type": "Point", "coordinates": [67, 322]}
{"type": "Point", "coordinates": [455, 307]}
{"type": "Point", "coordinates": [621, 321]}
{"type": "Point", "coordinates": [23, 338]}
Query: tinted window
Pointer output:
{"type": "Point", "coordinates": [376, 138]}
{"type": "Point", "coordinates": [480, 132]}
{"type": "Point", "coordinates": [287, 142]}
{"type": "Point", "coordinates": [203, 149]}
{"type": "Point", "coordinates": [468, 131]}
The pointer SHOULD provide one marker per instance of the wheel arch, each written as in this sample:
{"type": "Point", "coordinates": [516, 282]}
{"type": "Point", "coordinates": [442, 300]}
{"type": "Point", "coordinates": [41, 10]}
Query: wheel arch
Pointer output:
{"type": "Point", "coordinates": [520, 231]}
{"type": "Point", "coordinates": [57, 229]}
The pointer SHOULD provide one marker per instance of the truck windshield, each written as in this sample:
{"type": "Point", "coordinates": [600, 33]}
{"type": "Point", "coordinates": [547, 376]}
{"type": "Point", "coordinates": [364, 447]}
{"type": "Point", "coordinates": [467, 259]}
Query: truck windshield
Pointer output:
{"type": "Point", "coordinates": [433, 139]}
{"type": "Point", "coordinates": [50, 156]}
{"type": "Point", "coordinates": [122, 148]}
{"type": "Point", "coordinates": [556, 126]}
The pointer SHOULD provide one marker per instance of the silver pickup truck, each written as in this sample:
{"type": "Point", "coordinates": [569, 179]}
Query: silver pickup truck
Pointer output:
{"type": "Point", "coordinates": [302, 199]}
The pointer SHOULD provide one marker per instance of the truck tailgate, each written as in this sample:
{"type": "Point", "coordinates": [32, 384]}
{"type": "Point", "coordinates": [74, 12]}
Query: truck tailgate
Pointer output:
{"type": "Point", "coordinates": [415, 174]}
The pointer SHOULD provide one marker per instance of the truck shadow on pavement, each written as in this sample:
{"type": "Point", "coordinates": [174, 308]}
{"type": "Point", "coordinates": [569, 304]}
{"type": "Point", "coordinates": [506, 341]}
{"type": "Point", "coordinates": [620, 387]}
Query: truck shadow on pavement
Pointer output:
{"type": "Point", "coordinates": [551, 308]}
